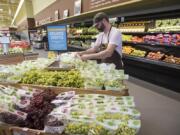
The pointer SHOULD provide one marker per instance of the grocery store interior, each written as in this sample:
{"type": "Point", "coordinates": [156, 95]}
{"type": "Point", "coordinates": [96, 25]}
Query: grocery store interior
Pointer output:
{"type": "Point", "coordinates": [46, 87]}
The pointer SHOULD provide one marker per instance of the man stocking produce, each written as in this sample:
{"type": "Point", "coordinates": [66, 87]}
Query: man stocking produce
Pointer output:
{"type": "Point", "coordinates": [108, 45]}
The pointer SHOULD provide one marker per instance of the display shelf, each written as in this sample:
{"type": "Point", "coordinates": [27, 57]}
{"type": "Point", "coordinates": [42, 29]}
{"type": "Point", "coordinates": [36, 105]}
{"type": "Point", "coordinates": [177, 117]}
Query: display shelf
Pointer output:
{"type": "Point", "coordinates": [151, 44]}
{"type": "Point", "coordinates": [150, 33]}
{"type": "Point", "coordinates": [157, 72]}
{"type": "Point", "coordinates": [156, 62]}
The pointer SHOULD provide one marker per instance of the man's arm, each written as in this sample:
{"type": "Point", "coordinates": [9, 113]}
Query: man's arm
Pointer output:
{"type": "Point", "coordinates": [101, 55]}
{"type": "Point", "coordinates": [88, 51]}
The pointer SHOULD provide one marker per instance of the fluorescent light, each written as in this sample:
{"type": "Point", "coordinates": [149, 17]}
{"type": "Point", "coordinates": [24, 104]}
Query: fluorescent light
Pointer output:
{"type": "Point", "coordinates": [17, 11]}
{"type": "Point", "coordinates": [1, 9]}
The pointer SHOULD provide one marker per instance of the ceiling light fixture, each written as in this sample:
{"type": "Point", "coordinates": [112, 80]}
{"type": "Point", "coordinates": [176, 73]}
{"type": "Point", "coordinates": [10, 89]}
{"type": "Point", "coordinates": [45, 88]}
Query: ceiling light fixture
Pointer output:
{"type": "Point", "coordinates": [1, 9]}
{"type": "Point", "coordinates": [17, 11]}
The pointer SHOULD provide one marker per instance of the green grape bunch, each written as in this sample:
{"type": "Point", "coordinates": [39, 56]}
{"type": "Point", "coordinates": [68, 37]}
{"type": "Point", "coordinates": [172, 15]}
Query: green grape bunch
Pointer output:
{"type": "Point", "coordinates": [53, 78]}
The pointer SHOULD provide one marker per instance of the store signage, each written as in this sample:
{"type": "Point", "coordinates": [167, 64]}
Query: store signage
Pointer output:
{"type": "Point", "coordinates": [44, 21]}
{"type": "Point", "coordinates": [122, 19]}
{"type": "Point", "coordinates": [96, 4]}
{"type": "Point", "coordinates": [56, 15]}
{"type": "Point", "coordinates": [57, 37]}
{"type": "Point", "coordinates": [112, 20]}
{"type": "Point", "coordinates": [4, 40]}
{"type": "Point", "coordinates": [77, 7]}
{"type": "Point", "coordinates": [65, 13]}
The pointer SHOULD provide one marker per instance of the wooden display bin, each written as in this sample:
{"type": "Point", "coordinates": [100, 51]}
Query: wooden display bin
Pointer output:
{"type": "Point", "coordinates": [6, 129]}
{"type": "Point", "coordinates": [10, 59]}
{"type": "Point", "coordinates": [57, 90]}
{"type": "Point", "coordinates": [30, 56]}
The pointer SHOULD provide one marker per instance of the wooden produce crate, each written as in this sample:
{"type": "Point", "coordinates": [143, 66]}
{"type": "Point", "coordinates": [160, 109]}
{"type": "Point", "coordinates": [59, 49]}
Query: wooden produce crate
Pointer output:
{"type": "Point", "coordinates": [30, 56]}
{"type": "Point", "coordinates": [11, 58]}
{"type": "Point", "coordinates": [55, 67]}
{"type": "Point", "coordinates": [6, 129]}
{"type": "Point", "coordinates": [123, 92]}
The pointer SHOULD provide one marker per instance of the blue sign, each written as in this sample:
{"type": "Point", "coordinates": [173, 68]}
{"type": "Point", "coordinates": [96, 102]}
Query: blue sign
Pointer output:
{"type": "Point", "coordinates": [57, 38]}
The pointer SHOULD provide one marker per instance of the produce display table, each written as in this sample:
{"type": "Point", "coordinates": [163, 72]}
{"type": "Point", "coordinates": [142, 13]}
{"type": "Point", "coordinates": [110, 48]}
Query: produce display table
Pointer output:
{"type": "Point", "coordinates": [6, 129]}
{"type": "Point", "coordinates": [70, 101]}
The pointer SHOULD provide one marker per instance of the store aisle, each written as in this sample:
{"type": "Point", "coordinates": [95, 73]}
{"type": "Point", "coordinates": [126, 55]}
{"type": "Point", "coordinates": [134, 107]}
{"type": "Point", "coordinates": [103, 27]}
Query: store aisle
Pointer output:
{"type": "Point", "coordinates": [160, 108]}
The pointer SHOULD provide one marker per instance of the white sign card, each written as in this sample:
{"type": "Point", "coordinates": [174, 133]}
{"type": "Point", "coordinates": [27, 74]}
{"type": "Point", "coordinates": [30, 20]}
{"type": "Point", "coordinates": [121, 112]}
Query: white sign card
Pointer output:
{"type": "Point", "coordinates": [56, 15]}
{"type": "Point", "coordinates": [66, 13]}
{"type": "Point", "coordinates": [77, 7]}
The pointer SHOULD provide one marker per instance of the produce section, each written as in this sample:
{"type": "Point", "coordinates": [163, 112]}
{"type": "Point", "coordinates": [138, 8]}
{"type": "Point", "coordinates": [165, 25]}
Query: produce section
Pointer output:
{"type": "Point", "coordinates": [155, 56]}
{"type": "Point", "coordinates": [138, 53]}
{"type": "Point", "coordinates": [85, 74]}
{"type": "Point", "coordinates": [61, 79]}
{"type": "Point", "coordinates": [148, 39]}
{"type": "Point", "coordinates": [35, 108]}
{"type": "Point", "coordinates": [129, 50]}
{"type": "Point", "coordinates": [47, 88]}
{"type": "Point", "coordinates": [158, 39]}
{"type": "Point", "coordinates": [69, 112]}
{"type": "Point", "coordinates": [82, 37]}
{"type": "Point", "coordinates": [166, 25]}
{"type": "Point", "coordinates": [172, 59]}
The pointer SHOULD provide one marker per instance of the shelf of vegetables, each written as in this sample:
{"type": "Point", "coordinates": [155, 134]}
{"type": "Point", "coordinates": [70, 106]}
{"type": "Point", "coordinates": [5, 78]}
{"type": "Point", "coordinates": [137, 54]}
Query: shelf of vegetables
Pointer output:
{"type": "Point", "coordinates": [154, 71]}
{"type": "Point", "coordinates": [150, 44]}
{"type": "Point", "coordinates": [49, 111]}
{"type": "Point", "coordinates": [151, 33]}
{"type": "Point", "coordinates": [152, 50]}
{"type": "Point", "coordinates": [81, 38]}
{"type": "Point", "coordinates": [150, 61]}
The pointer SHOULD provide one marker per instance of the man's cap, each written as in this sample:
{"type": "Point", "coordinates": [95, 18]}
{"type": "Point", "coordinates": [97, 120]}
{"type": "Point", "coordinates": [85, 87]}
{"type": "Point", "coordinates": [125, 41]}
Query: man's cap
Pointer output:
{"type": "Point", "coordinates": [99, 17]}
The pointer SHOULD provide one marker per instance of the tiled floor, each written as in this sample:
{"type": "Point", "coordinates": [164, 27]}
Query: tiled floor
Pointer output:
{"type": "Point", "coordinates": [160, 107]}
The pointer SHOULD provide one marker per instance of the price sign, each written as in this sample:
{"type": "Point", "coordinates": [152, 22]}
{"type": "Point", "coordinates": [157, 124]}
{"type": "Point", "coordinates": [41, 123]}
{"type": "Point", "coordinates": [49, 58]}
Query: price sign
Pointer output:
{"type": "Point", "coordinates": [57, 38]}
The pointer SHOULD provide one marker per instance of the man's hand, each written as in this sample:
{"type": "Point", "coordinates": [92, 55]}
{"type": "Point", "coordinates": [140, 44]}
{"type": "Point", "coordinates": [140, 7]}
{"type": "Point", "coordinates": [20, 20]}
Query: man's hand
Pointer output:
{"type": "Point", "coordinates": [76, 54]}
{"type": "Point", "coordinates": [84, 57]}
